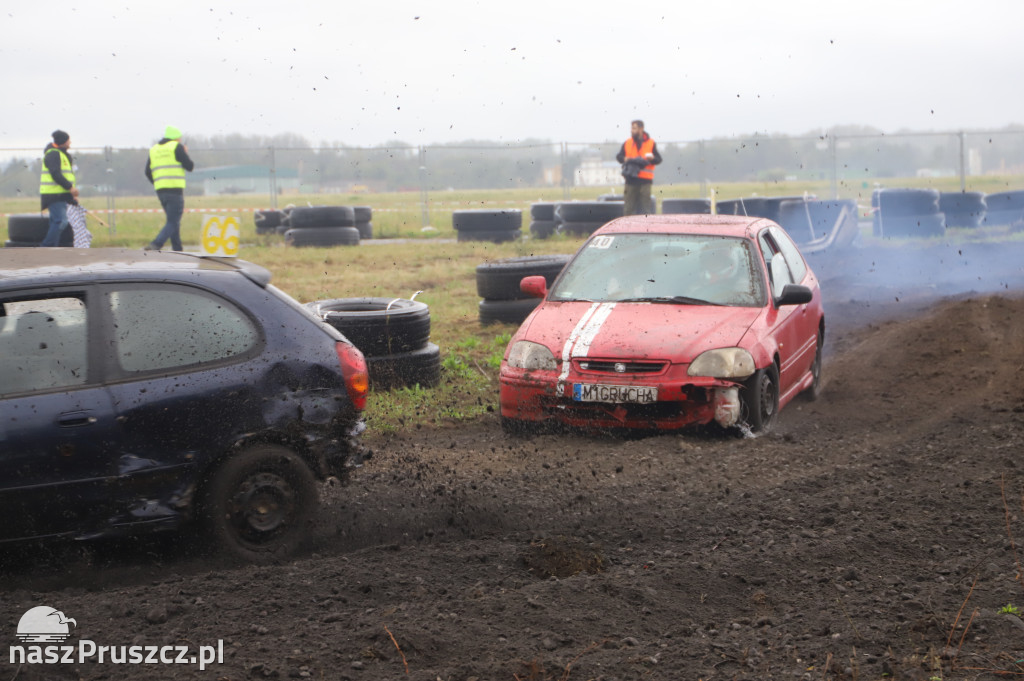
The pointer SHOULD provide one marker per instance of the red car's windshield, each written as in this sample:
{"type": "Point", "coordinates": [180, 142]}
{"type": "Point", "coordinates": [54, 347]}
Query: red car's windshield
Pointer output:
{"type": "Point", "coordinates": [664, 268]}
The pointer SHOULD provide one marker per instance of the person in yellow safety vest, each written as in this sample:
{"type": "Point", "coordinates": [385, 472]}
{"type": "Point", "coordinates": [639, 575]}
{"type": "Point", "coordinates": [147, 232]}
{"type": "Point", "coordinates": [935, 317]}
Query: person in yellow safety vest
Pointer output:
{"type": "Point", "coordinates": [638, 156]}
{"type": "Point", "coordinates": [57, 186]}
{"type": "Point", "coordinates": [165, 169]}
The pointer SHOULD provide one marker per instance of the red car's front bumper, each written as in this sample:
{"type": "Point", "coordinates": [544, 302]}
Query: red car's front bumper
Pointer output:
{"type": "Point", "coordinates": [533, 396]}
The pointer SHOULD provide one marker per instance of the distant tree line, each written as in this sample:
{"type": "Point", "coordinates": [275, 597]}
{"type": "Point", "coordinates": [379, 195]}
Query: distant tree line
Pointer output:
{"type": "Point", "coordinates": [850, 152]}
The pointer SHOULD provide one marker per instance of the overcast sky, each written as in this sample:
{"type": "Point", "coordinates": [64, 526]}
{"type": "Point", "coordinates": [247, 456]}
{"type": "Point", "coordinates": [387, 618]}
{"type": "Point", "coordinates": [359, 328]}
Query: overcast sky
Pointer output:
{"type": "Point", "coordinates": [367, 73]}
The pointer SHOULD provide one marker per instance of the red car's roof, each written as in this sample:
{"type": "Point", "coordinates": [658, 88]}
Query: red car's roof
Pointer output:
{"type": "Point", "coordinates": [725, 225]}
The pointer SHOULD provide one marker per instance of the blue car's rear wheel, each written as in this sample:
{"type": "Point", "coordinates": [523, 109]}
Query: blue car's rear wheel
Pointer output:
{"type": "Point", "coordinates": [260, 504]}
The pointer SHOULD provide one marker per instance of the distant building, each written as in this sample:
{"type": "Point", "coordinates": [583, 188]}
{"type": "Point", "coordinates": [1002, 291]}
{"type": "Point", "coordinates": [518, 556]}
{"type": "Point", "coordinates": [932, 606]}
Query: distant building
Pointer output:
{"type": "Point", "coordinates": [245, 180]}
{"type": "Point", "coordinates": [593, 172]}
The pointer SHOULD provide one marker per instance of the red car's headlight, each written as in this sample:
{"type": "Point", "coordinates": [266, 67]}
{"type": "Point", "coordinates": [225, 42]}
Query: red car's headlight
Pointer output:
{"type": "Point", "coordinates": [532, 356]}
{"type": "Point", "coordinates": [723, 363]}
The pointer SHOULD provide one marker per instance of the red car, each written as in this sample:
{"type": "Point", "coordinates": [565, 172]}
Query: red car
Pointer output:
{"type": "Point", "coordinates": [665, 321]}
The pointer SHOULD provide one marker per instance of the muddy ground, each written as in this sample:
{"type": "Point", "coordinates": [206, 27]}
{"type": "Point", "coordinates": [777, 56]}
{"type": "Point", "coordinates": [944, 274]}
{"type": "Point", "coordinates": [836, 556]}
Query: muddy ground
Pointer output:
{"type": "Point", "coordinates": [876, 533]}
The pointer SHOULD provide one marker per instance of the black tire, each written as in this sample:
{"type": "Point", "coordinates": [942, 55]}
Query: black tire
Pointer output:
{"type": "Point", "coordinates": [322, 216]}
{"type": "Point", "coordinates": [543, 229]}
{"type": "Point", "coordinates": [589, 211]}
{"type": "Point", "coordinates": [495, 236]}
{"type": "Point", "coordinates": [506, 311]}
{"type": "Point", "coordinates": [920, 226]}
{"type": "Point", "coordinates": [260, 503]}
{"type": "Point", "coordinates": [378, 326]}
{"type": "Point", "coordinates": [283, 228]}
{"type": "Point", "coordinates": [66, 240]}
{"type": "Point", "coordinates": [686, 206]}
{"type": "Point", "coordinates": [28, 227]}
{"type": "Point", "coordinates": [814, 392]}
{"type": "Point", "coordinates": [579, 228]}
{"type": "Point", "coordinates": [998, 218]}
{"type": "Point", "coordinates": [1008, 201]}
{"type": "Point", "coordinates": [365, 230]}
{"type": "Point", "coordinates": [418, 367]}
{"type": "Point", "coordinates": [362, 213]}
{"type": "Point", "coordinates": [963, 209]}
{"type": "Point", "coordinates": [754, 206]}
{"type": "Point", "coordinates": [759, 400]}
{"type": "Point", "coordinates": [902, 202]}
{"type": "Point", "coordinates": [267, 221]}
{"type": "Point", "coordinates": [809, 220]}
{"type": "Point", "coordinates": [21, 244]}
{"type": "Point", "coordinates": [499, 280]}
{"type": "Point", "coordinates": [487, 220]}
{"type": "Point", "coordinates": [542, 211]}
{"type": "Point", "coordinates": [322, 236]}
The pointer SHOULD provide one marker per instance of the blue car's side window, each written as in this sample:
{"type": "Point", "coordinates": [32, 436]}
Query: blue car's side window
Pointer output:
{"type": "Point", "coordinates": [156, 329]}
{"type": "Point", "coordinates": [44, 345]}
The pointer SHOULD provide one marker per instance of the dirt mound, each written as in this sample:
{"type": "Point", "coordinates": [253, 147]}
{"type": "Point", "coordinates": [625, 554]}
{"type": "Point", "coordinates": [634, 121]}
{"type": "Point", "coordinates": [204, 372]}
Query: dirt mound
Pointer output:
{"type": "Point", "coordinates": [875, 534]}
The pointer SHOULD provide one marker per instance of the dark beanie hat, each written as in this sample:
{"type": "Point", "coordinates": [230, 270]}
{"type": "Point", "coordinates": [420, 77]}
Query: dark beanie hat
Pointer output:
{"type": "Point", "coordinates": [60, 137]}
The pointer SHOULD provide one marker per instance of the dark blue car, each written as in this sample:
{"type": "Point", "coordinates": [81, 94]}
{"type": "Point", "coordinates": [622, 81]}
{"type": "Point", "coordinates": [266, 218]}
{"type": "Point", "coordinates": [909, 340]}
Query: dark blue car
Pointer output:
{"type": "Point", "coordinates": [142, 390]}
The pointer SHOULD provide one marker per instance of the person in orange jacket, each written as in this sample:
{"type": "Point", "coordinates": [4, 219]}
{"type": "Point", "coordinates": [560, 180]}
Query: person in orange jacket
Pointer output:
{"type": "Point", "coordinates": [638, 156]}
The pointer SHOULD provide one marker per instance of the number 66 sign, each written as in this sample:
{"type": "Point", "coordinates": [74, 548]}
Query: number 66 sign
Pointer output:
{"type": "Point", "coordinates": [220, 236]}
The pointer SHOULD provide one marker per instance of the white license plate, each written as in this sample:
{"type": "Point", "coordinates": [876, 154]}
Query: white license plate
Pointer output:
{"type": "Point", "coordinates": [596, 392]}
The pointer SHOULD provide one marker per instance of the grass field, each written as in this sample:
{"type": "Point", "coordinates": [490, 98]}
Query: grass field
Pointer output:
{"type": "Point", "coordinates": [431, 262]}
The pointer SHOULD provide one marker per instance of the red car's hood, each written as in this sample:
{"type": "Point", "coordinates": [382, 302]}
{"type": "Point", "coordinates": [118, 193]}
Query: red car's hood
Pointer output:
{"type": "Point", "coordinates": [637, 330]}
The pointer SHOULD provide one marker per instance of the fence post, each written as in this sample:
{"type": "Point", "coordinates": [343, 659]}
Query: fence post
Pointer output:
{"type": "Point", "coordinates": [565, 171]}
{"type": "Point", "coordinates": [703, 170]}
{"type": "Point", "coordinates": [273, 179]}
{"type": "Point", "coordinates": [835, 166]}
{"type": "Point", "coordinates": [108, 155]}
{"type": "Point", "coordinates": [424, 198]}
{"type": "Point", "coordinates": [963, 164]}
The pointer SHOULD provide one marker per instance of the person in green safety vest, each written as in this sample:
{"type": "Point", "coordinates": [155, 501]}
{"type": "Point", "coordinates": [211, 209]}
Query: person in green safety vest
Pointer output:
{"type": "Point", "coordinates": [165, 169]}
{"type": "Point", "coordinates": [57, 185]}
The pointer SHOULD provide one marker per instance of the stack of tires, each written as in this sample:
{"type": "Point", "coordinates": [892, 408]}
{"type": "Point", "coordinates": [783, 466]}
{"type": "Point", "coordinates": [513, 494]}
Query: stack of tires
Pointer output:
{"type": "Point", "coordinates": [813, 221]}
{"type": "Point", "coordinates": [29, 229]}
{"type": "Point", "coordinates": [907, 213]}
{"type": "Point", "coordinates": [963, 209]}
{"type": "Point", "coordinates": [321, 226]}
{"type": "Point", "coordinates": [1004, 208]}
{"type": "Point", "coordinates": [392, 333]}
{"type": "Point", "coordinates": [267, 221]}
{"type": "Point", "coordinates": [494, 225]}
{"type": "Point", "coordinates": [686, 206]}
{"type": "Point", "coordinates": [497, 283]}
{"type": "Point", "coordinates": [364, 221]}
{"type": "Point", "coordinates": [583, 218]}
{"type": "Point", "coordinates": [756, 206]}
{"type": "Point", "coordinates": [542, 219]}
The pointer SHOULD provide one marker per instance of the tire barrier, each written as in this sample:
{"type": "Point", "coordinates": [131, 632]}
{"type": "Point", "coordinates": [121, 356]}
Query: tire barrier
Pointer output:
{"type": "Point", "coordinates": [907, 213]}
{"type": "Point", "coordinates": [267, 221]}
{"type": "Point", "coordinates": [29, 229]}
{"type": "Point", "coordinates": [756, 206]}
{"type": "Point", "coordinates": [497, 282]}
{"type": "Point", "coordinates": [506, 311]}
{"type": "Point", "coordinates": [321, 236]}
{"type": "Point", "coordinates": [963, 209]}
{"type": "Point", "coordinates": [1004, 208]}
{"type": "Point", "coordinates": [543, 229]}
{"type": "Point", "coordinates": [364, 217]}
{"type": "Point", "coordinates": [488, 225]}
{"type": "Point", "coordinates": [819, 225]}
{"type": "Point", "coordinates": [392, 333]}
{"type": "Point", "coordinates": [588, 211]}
{"type": "Point", "coordinates": [579, 229]}
{"type": "Point", "coordinates": [686, 206]}
{"type": "Point", "coordinates": [322, 216]}
{"type": "Point", "coordinates": [543, 211]}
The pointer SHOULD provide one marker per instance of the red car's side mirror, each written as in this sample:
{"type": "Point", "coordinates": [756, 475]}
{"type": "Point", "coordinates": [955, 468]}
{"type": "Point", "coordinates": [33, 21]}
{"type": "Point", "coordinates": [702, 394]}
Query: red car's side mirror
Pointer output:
{"type": "Point", "coordinates": [535, 286]}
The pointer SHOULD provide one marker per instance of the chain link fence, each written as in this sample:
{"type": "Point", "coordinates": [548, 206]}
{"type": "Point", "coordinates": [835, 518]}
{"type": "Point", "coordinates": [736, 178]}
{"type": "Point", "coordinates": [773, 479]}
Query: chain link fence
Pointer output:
{"type": "Point", "coordinates": [837, 165]}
